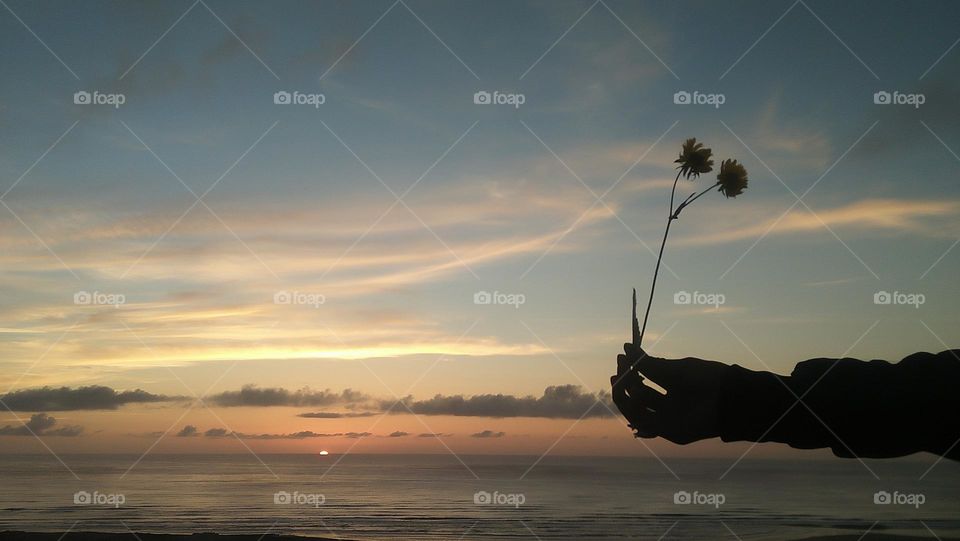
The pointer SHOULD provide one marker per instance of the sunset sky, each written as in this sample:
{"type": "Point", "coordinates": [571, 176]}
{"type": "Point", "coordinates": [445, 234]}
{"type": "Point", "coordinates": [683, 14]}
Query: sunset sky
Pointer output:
{"type": "Point", "coordinates": [199, 201]}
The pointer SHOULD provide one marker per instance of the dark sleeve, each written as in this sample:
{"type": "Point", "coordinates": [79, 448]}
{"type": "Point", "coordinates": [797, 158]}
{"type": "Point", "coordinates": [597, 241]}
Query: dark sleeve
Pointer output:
{"type": "Point", "coordinates": [856, 408]}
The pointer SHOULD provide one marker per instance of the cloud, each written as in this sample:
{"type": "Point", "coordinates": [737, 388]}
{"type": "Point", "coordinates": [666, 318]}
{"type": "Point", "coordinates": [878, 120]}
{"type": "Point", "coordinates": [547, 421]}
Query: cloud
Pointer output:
{"type": "Point", "coordinates": [336, 414]}
{"type": "Point", "coordinates": [557, 402]}
{"type": "Point", "coordinates": [488, 434]}
{"type": "Point", "coordinates": [251, 395]}
{"type": "Point", "coordinates": [918, 216]}
{"type": "Point", "coordinates": [93, 397]}
{"type": "Point", "coordinates": [40, 424]}
{"type": "Point", "coordinates": [302, 435]}
{"type": "Point", "coordinates": [398, 434]}
{"type": "Point", "coordinates": [433, 435]}
{"type": "Point", "coordinates": [188, 431]}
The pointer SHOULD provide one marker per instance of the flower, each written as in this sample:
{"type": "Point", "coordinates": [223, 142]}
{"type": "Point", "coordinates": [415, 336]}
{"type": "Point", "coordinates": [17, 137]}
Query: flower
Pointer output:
{"type": "Point", "coordinates": [694, 159]}
{"type": "Point", "coordinates": [732, 178]}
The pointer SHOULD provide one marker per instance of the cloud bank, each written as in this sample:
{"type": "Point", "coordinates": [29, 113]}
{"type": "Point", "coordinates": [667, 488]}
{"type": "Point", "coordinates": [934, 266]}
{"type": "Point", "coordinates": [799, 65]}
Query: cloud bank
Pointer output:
{"type": "Point", "coordinates": [40, 424]}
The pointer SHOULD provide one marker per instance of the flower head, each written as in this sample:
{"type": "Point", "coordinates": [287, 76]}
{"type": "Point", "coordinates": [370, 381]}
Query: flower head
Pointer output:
{"type": "Point", "coordinates": [694, 159]}
{"type": "Point", "coordinates": [732, 178]}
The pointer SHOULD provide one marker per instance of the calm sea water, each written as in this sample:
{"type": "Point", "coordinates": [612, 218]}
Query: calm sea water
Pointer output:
{"type": "Point", "coordinates": [436, 496]}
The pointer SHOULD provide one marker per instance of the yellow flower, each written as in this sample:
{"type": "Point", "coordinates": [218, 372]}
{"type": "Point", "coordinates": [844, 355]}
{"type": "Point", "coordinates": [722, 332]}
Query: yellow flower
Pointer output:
{"type": "Point", "coordinates": [694, 159]}
{"type": "Point", "coordinates": [732, 178]}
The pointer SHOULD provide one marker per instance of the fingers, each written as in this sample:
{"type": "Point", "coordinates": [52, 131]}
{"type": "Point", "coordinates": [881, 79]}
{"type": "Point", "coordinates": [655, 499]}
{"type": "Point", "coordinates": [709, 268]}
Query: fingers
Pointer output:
{"type": "Point", "coordinates": [665, 373]}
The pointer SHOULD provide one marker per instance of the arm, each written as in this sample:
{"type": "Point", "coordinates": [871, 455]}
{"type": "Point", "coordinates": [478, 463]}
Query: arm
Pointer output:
{"type": "Point", "coordinates": [868, 409]}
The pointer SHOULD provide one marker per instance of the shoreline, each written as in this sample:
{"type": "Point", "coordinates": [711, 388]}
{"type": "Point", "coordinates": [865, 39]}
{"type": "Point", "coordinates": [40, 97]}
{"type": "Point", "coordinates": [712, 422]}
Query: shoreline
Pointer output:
{"type": "Point", "coordinates": [12, 535]}
{"type": "Point", "coordinates": [17, 535]}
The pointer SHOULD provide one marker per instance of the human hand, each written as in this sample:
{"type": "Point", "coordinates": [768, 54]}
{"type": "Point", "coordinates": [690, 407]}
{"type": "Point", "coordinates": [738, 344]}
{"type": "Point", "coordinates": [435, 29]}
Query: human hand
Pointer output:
{"type": "Point", "coordinates": [686, 413]}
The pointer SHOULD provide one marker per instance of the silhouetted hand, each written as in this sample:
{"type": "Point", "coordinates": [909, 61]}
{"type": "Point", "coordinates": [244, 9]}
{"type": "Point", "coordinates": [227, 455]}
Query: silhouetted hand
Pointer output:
{"type": "Point", "coordinates": [687, 413]}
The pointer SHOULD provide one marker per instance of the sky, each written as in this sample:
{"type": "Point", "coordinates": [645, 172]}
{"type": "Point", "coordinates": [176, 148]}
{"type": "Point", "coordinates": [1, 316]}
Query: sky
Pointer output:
{"type": "Point", "coordinates": [190, 266]}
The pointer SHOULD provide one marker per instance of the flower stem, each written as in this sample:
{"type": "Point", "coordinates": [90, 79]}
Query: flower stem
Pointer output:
{"type": "Point", "coordinates": [656, 271]}
{"type": "Point", "coordinates": [690, 201]}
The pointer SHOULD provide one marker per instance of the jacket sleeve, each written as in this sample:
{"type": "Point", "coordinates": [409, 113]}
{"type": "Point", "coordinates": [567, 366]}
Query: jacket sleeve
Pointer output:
{"type": "Point", "coordinates": [868, 409]}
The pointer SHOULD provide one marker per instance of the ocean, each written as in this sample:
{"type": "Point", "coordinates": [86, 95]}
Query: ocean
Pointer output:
{"type": "Point", "coordinates": [382, 497]}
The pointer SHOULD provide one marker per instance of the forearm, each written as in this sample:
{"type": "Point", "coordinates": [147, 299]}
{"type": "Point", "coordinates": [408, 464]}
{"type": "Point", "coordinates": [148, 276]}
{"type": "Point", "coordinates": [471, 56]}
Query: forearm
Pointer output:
{"type": "Point", "coordinates": [865, 409]}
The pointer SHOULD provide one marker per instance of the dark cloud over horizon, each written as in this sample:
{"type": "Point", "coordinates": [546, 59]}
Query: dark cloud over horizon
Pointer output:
{"type": "Point", "coordinates": [40, 424]}
{"type": "Point", "coordinates": [556, 402]}
{"type": "Point", "coordinates": [93, 397]}
{"type": "Point", "coordinates": [251, 395]}
{"type": "Point", "coordinates": [336, 414]}
{"type": "Point", "coordinates": [488, 434]}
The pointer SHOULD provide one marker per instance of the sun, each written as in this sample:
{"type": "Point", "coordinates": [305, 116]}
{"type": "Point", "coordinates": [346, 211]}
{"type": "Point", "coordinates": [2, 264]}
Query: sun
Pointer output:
{"type": "Point", "coordinates": [324, 453]}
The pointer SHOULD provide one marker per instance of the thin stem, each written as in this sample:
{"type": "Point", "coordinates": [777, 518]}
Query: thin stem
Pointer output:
{"type": "Point", "coordinates": [656, 270]}
{"type": "Point", "coordinates": [689, 201]}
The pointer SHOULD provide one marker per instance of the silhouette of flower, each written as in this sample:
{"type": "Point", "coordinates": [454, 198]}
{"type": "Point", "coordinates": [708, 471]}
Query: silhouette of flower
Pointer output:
{"type": "Point", "coordinates": [732, 178]}
{"type": "Point", "coordinates": [694, 159]}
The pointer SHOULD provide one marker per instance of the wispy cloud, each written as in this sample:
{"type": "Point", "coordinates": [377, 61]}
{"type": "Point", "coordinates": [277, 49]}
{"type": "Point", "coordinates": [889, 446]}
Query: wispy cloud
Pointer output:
{"type": "Point", "coordinates": [870, 216]}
